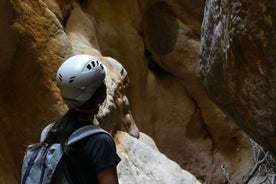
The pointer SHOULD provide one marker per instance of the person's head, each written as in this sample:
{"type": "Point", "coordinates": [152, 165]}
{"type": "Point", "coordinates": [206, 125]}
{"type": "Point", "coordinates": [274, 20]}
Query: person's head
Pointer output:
{"type": "Point", "coordinates": [81, 82]}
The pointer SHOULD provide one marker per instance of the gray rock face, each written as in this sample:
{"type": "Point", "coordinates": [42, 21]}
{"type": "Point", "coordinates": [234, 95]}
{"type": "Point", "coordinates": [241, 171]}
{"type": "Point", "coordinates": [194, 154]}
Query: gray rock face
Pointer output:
{"type": "Point", "coordinates": [142, 162]}
{"type": "Point", "coordinates": [237, 63]}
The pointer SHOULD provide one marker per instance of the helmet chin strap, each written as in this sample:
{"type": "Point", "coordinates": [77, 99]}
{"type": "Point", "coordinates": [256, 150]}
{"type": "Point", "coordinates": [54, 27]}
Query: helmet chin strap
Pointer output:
{"type": "Point", "coordinates": [89, 111]}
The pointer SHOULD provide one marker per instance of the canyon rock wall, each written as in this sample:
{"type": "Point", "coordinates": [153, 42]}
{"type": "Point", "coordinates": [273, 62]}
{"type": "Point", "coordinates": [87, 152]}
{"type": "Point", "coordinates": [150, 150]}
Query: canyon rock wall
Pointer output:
{"type": "Point", "coordinates": [151, 49]}
{"type": "Point", "coordinates": [238, 64]}
{"type": "Point", "coordinates": [34, 43]}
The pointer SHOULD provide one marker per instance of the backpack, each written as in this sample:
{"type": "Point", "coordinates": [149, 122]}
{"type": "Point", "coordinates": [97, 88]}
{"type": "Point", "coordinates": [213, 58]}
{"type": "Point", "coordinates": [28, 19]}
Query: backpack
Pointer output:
{"type": "Point", "coordinates": [34, 172]}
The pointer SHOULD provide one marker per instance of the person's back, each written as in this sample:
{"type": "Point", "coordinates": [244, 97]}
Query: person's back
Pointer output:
{"type": "Point", "coordinates": [93, 159]}
{"type": "Point", "coordinates": [87, 158]}
{"type": "Point", "coordinates": [90, 156]}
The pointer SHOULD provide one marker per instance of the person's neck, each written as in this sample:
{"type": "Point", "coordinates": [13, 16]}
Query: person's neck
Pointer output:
{"type": "Point", "coordinates": [84, 116]}
{"type": "Point", "coordinates": [86, 111]}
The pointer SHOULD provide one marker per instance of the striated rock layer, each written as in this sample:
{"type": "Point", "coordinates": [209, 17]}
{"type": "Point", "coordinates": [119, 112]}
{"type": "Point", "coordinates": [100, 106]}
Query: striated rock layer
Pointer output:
{"type": "Point", "coordinates": [238, 64]}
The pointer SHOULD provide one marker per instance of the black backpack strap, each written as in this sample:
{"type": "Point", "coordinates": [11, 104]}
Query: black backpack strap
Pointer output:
{"type": "Point", "coordinates": [84, 132]}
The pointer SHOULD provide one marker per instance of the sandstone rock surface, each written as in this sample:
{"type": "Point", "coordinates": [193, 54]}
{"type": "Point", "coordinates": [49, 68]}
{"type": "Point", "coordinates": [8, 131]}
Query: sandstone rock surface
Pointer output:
{"type": "Point", "coordinates": [37, 43]}
{"type": "Point", "coordinates": [150, 48]}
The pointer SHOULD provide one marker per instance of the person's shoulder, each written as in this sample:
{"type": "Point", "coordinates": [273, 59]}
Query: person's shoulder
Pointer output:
{"type": "Point", "coordinates": [101, 137]}
{"type": "Point", "coordinates": [101, 141]}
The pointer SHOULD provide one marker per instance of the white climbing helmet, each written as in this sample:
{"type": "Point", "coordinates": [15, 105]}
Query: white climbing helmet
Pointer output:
{"type": "Point", "coordinates": [79, 77]}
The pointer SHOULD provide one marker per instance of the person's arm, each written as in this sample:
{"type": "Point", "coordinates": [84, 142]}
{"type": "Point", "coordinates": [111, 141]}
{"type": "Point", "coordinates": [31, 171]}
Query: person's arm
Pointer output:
{"type": "Point", "coordinates": [108, 176]}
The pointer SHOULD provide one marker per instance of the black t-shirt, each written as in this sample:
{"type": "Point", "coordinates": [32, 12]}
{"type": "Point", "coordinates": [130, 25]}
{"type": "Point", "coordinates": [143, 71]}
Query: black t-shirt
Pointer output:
{"type": "Point", "coordinates": [89, 156]}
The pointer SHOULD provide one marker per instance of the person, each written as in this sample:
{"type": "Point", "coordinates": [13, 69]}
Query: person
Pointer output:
{"type": "Point", "coordinates": [92, 160]}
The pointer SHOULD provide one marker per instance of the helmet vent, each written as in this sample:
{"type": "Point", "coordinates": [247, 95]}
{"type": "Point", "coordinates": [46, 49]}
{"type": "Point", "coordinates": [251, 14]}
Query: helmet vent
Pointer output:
{"type": "Point", "coordinates": [88, 67]}
{"type": "Point", "coordinates": [60, 77]}
{"type": "Point", "coordinates": [72, 79]}
{"type": "Point", "coordinates": [102, 67]}
{"type": "Point", "coordinates": [93, 63]}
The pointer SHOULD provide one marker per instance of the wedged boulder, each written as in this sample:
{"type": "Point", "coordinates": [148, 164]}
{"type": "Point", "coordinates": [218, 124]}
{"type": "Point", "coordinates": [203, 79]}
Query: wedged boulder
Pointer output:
{"type": "Point", "coordinates": [238, 65]}
{"type": "Point", "coordinates": [142, 162]}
